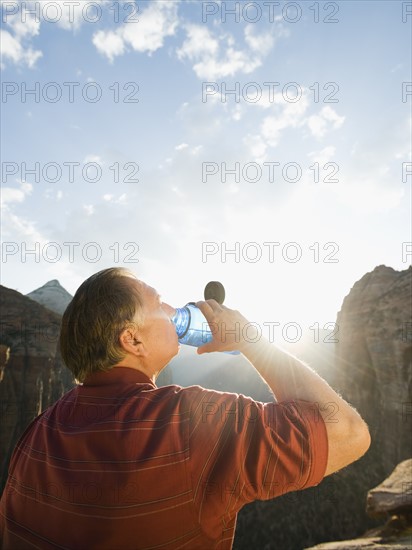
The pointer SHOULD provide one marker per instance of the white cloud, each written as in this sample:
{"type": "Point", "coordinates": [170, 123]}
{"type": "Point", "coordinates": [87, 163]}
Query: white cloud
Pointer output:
{"type": "Point", "coordinates": [202, 48]}
{"type": "Point", "coordinates": [154, 24]}
{"type": "Point", "coordinates": [331, 115]}
{"type": "Point", "coordinates": [18, 227]}
{"type": "Point", "coordinates": [11, 194]}
{"type": "Point", "coordinates": [23, 24]}
{"type": "Point", "coordinates": [199, 43]}
{"type": "Point", "coordinates": [257, 146]}
{"type": "Point", "coordinates": [289, 115]}
{"type": "Point", "coordinates": [89, 209]}
{"type": "Point", "coordinates": [68, 14]}
{"type": "Point", "coordinates": [196, 150]}
{"type": "Point", "coordinates": [262, 42]}
{"type": "Point", "coordinates": [10, 47]}
{"type": "Point", "coordinates": [108, 197]}
{"type": "Point", "coordinates": [51, 193]}
{"type": "Point", "coordinates": [323, 156]}
{"type": "Point", "coordinates": [109, 43]}
{"type": "Point", "coordinates": [326, 120]}
{"type": "Point", "coordinates": [216, 57]}
{"type": "Point", "coordinates": [14, 51]}
{"type": "Point", "coordinates": [17, 230]}
{"type": "Point", "coordinates": [187, 149]}
{"type": "Point", "coordinates": [15, 42]}
{"type": "Point", "coordinates": [181, 146]}
{"type": "Point", "coordinates": [233, 61]}
{"type": "Point", "coordinates": [237, 112]}
{"type": "Point", "coordinates": [317, 125]}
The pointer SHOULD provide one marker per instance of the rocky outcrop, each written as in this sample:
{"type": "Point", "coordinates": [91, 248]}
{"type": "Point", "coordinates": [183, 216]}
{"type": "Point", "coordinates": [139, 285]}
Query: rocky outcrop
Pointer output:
{"type": "Point", "coordinates": [391, 499]}
{"type": "Point", "coordinates": [394, 495]}
{"type": "Point", "coordinates": [51, 295]}
{"type": "Point", "coordinates": [373, 368]}
{"type": "Point", "coordinates": [32, 373]}
{"type": "Point", "coordinates": [4, 359]}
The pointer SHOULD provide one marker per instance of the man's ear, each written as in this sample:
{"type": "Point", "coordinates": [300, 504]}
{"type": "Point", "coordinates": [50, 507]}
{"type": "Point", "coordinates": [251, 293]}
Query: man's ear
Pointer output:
{"type": "Point", "coordinates": [129, 341]}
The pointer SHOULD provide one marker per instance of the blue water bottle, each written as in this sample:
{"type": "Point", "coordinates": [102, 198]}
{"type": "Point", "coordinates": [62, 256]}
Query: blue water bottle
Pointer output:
{"type": "Point", "coordinates": [191, 326]}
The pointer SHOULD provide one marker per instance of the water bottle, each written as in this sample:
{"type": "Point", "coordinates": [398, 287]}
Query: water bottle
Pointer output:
{"type": "Point", "coordinates": [191, 326]}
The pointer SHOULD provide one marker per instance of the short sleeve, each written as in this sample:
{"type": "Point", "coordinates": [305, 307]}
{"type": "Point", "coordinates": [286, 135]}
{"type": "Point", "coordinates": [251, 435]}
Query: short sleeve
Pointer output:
{"type": "Point", "coordinates": [242, 450]}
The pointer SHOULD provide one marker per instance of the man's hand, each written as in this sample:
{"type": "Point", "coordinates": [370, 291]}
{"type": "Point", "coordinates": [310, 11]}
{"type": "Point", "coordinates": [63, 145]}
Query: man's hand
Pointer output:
{"type": "Point", "coordinates": [228, 327]}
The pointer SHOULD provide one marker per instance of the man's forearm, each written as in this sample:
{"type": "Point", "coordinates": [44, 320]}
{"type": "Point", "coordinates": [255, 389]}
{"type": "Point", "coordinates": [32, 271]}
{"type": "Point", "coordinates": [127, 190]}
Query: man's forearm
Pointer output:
{"type": "Point", "coordinates": [289, 378]}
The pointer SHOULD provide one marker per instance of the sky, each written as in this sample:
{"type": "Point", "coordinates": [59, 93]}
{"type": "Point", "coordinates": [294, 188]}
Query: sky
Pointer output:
{"type": "Point", "coordinates": [262, 144]}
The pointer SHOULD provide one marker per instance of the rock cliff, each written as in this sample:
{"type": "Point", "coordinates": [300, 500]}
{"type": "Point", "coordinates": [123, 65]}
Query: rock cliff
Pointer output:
{"type": "Point", "coordinates": [32, 373]}
{"type": "Point", "coordinates": [373, 369]}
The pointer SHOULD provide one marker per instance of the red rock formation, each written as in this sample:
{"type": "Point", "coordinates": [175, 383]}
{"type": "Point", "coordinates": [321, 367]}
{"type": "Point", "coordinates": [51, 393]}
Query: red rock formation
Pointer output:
{"type": "Point", "coordinates": [373, 361]}
{"type": "Point", "coordinates": [33, 377]}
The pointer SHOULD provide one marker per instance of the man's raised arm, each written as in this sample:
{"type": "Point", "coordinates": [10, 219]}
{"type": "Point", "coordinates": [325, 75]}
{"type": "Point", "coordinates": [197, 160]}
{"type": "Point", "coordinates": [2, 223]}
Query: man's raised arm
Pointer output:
{"type": "Point", "coordinates": [289, 378]}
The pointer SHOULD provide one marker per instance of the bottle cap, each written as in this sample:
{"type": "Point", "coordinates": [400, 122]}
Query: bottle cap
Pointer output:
{"type": "Point", "coordinates": [214, 290]}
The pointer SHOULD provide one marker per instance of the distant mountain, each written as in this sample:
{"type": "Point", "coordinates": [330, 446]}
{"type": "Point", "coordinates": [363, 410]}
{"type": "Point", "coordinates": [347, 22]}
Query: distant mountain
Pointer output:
{"type": "Point", "coordinates": [51, 295]}
{"type": "Point", "coordinates": [233, 373]}
{"type": "Point", "coordinates": [215, 371]}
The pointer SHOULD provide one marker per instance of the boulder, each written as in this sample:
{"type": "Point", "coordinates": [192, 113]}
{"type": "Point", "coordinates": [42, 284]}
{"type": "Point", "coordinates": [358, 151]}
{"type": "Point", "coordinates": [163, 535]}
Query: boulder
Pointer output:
{"type": "Point", "coordinates": [394, 495]}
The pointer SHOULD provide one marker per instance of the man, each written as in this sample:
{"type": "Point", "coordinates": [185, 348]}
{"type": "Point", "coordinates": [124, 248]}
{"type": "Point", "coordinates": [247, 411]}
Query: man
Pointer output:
{"type": "Point", "coordinates": [118, 463]}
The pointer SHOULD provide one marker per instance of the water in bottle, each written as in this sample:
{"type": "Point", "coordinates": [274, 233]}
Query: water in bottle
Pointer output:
{"type": "Point", "coordinates": [191, 326]}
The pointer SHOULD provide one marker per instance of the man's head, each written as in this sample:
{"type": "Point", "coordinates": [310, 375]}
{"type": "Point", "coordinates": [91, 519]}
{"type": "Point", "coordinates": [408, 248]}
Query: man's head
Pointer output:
{"type": "Point", "coordinates": [115, 319]}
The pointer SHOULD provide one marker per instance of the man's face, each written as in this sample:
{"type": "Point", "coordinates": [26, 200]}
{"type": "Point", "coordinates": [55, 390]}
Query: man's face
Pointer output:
{"type": "Point", "coordinates": [157, 331]}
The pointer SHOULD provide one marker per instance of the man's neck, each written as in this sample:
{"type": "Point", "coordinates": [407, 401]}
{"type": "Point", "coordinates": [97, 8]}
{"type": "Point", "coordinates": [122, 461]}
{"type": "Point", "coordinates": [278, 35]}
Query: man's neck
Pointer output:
{"type": "Point", "coordinates": [132, 365]}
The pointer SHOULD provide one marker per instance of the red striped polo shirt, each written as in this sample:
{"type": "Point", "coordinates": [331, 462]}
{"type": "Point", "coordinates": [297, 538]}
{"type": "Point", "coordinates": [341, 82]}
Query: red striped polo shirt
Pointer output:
{"type": "Point", "coordinates": [118, 463]}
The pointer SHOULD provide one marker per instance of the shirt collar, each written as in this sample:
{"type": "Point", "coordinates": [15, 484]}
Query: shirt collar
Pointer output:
{"type": "Point", "coordinates": [118, 375]}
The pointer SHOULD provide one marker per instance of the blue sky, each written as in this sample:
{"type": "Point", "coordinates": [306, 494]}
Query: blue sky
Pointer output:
{"type": "Point", "coordinates": [326, 95]}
